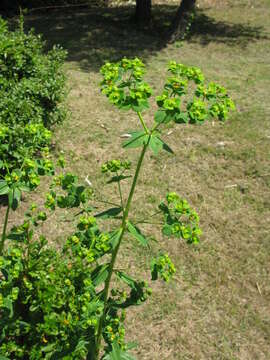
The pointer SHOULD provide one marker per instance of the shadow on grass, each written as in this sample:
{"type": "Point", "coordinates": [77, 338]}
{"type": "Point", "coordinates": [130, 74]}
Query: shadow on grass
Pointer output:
{"type": "Point", "coordinates": [94, 35]}
{"type": "Point", "coordinates": [206, 29]}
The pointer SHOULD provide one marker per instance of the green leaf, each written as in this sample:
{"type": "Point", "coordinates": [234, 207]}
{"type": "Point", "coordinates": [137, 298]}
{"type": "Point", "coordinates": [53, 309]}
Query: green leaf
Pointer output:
{"type": "Point", "coordinates": [110, 213]}
{"type": "Point", "coordinates": [118, 178]}
{"type": "Point", "coordinates": [118, 354]}
{"type": "Point", "coordinates": [3, 358]}
{"type": "Point", "coordinates": [115, 238]}
{"type": "Point", "coordinates": [14, 196]}
{"type": "Point", "coordinates": [48, 348]}
{"type": "Point", "coordinates": [167, 230]}
{"type": "Point", "coordinates": [154, 270]}
{"type": "Point", "coordinates": [166, 147]}
{"type": "Point", "coordinates": [126, 278]}
{"type": "Point", "coordinates": [181, 118]}
{"type": "Point", "coordinates": [160, 116]}
{"type": "Point", "coordinates": [156, 144]}
{"type": "Point", "coordinates": [24, 187]}
{"type": "Point", "coordinates": [138, 138]}
{"type": "Point", "coordinates": [8, 304]}
{"type": "Point", "coordinates": [19, 236]}
{"type": "Point", "coordinates": [140, 105]}
{"type": "Point", "coordinates": [136, 233]}
{"type": "Point", "coordinates": [4, 188]}
{"type": "Point", "coordinates": [100, 274]}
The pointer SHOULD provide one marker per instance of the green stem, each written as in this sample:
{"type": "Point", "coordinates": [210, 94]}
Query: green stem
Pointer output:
{"type": "Point", "coordinates": [4, 231]}
{"type": "Point", "coordinates": [143, 123]}
{"type": "Point", "coordinates": [115, 252]}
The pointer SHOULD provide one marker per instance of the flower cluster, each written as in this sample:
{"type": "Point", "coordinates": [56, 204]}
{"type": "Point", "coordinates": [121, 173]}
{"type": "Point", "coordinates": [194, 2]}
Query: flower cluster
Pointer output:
{"type": "Point", "coordinates": [180, 220]}
{"type": "Point", "coordinates": [163, 267]}
{"type": "Point", "coordinates": [115, 165]}
{"type": "Point", "coordinates": [208, 100]}
{"type": "Point", "coordinates": [123, 84]}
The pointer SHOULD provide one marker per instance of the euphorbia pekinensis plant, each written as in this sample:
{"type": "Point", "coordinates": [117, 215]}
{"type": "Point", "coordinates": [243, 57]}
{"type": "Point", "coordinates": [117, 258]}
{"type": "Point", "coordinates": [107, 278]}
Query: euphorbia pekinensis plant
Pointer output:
{"type": "Point", "coordinates": [73, 309]}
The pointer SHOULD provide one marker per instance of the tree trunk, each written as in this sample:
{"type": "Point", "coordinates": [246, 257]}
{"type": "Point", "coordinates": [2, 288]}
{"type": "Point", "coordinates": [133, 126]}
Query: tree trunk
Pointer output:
{"type": "Point", "coordinates": [182, 19]}
{"type": "Point", "coordinates": [143, 12]}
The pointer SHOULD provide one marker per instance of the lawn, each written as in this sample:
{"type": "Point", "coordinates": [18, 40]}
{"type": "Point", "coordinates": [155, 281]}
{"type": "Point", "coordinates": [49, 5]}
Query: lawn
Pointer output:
{"type": "Point", "coordinates": [218, 305]}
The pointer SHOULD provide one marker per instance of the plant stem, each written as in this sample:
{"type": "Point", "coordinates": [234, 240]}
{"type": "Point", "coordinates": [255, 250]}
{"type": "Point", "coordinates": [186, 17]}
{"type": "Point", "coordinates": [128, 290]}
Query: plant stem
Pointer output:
{"type": "Point", "coordinates": [4, 230]}
{"type": "Point", "coordinates": [115, 252]}
{"type": "Point", "coordinates": [143, 123]}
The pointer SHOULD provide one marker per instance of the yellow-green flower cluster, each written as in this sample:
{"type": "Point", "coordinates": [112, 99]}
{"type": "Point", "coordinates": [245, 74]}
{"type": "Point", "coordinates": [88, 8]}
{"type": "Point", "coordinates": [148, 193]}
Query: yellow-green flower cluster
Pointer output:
{"type": "Point", "coordinates": [122, 84]}
{"type": "Point", "coordinates": [115, 165]}
{"type": "Point", "coordinates": [180, 219]}
{"type": "Point", "coordinates": [163, 267]}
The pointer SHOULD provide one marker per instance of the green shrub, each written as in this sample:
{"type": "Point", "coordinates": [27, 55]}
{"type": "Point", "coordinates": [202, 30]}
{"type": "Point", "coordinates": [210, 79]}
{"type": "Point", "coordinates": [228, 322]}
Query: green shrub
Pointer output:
{"type": "Point", "coordinates": [32, 88]}
{"type": "Point", "coordinates": [63, 304]}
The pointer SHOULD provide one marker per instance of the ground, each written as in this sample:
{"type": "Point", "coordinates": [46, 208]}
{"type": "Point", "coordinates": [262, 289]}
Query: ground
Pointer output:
{"type": "Point", "coordinates": [218, 305]}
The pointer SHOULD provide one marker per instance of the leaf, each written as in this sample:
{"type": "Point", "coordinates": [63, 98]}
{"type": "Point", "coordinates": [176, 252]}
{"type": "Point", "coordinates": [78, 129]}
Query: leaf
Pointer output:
{"type": "Point", "coordinates": [160, 115]}
{"type": "Point", "coordinates": [14, 196]}
{"type": "Point", "coordinates": [24, 187]}
{"type": "Point", "coordinates": [4, 188]}
{"type": "Point", "coordinates": [140, 105]}
{"type": "Point", "coordinates": [118, 354]}
{"type": "Point", "coordinates": [154, 270]}
{"type": "Point", "coordinates": [115, 238]}
{"type": "Point", "coordinates": [118, 178]}
{"type": "Point", "coordinates": [137, 234]}
{"type": "Point", "coordinates": [156, 144]}
{"type": "Point", "coordinates": [167, 230]}
{"type": "Point", "coordinates": [166, 147]}
{"type": "Point", "coordinates": [138, 138]}
{"type": "Point", "coordinates": [126, 278]}
{"type": "Point", "coordinates": [48, 348]}
{"type": "Point", "coordinates": [112, 212]}
{"type": "Point", "coordinates": [100, 274]}
{"type": "Point", "coordinates": [181, 118]}
{"type": "Point", "coordinates": [19, 236]}
{"type": "Point", "coordinates": [8, 304]}
{"type": "Point", "coordinates": [3, 358]}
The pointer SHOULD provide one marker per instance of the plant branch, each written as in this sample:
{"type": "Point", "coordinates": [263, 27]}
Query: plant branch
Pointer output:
{"type": "Point", "coordinates": [115, 252]}
{"type": "Point", "coordinates": [143, 122]}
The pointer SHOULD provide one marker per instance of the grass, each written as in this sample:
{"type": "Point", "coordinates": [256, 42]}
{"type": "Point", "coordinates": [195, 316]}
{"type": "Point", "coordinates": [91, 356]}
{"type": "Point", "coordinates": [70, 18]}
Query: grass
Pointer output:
{"type": "Point", "coordinates": [218, 305]}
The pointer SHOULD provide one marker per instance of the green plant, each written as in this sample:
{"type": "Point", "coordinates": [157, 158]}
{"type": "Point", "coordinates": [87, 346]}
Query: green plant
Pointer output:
{"type": "Point", "coordinates": [67, 304]}
{"type": "Point", "coordinates": [32, 87]}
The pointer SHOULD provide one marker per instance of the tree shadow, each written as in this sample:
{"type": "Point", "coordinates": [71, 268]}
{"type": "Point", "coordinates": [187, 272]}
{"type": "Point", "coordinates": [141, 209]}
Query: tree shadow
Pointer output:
{"type": "Point", "coordinates": [206, 29]}
{"type": "Point", "coordinates": [93, 36]}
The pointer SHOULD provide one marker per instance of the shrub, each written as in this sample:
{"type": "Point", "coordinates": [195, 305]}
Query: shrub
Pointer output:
{"type": "Point", "coordinates": [32, 87]}
{"type": "Point", "coordinates": [63, 304]}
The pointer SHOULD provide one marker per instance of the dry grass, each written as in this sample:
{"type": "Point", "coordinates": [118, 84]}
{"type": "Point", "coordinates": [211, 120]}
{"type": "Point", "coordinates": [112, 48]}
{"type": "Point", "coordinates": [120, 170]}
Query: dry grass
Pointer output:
{"type": "Point", "coordinates": [218, 306]}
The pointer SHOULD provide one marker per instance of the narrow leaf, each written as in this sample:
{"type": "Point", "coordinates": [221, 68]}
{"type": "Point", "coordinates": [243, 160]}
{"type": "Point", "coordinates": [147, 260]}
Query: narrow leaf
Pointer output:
{"type": "Point", "coordinates": [118, 178]}
{"type": "Point", "coordinates": [138, 138]}
{"type": "Point", "coordinates": [126, 278]}
{"type": "Point", "coordinates": [115, 238]}
{"type": "Point", "coordinates": [100, 274]}
{"type": "Point", "coordinates": [136, 233]}
{"type": "Point", "coordinates": [4, 189]}
{"type": "Point", "coordinates": [110, 213]}
{"type": "Point", "coordinates": [118, 354]}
